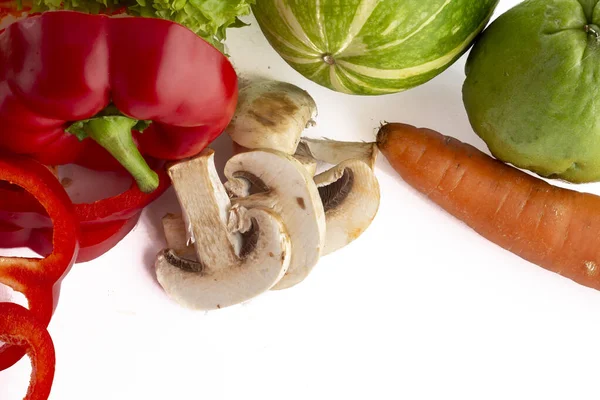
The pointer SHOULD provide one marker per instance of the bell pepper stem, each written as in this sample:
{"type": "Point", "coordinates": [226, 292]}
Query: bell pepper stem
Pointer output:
{"type": "Point", "coordinates": [114, 134]}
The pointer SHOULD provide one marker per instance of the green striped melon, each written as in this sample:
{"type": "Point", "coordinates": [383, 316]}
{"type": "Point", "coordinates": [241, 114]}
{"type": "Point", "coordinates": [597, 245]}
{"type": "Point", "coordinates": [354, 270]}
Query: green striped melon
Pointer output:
{"type": "Point", "coordinates": [371, 47]}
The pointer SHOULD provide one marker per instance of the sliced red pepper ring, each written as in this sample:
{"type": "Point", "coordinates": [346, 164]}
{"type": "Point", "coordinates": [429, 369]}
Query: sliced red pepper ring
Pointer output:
{"type": "Point", "coordinates": [11, 354]}
{"type": "Point", "coordinates": [124, 205]}
{"type": "Point", "coordinates": [21, 209]}
{"type": "Point", "coordinates": [37, 278]}
{"type": "Point", "coordinates": [16, 206]}
{"type": "Point", "coordinates": [103, 224]}
{"type": "Point", "coordinates": [19, 327]}
{"type": "Point", "coordinates": [96, 239]}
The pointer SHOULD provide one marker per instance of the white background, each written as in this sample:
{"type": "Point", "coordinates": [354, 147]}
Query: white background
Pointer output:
{"type": "Point", "coordinates": [420, 307]}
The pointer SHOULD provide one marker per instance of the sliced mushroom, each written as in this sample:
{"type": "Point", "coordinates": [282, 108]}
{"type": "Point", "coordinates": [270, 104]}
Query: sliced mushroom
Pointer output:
{"type": "Point", "coordinates": [335, 152]}
{"type": "Point", "coordinates": [350, 196]}
{"type": "Point", "coordinates": [271, 115]}
{"type": "Point", "coordinates": [277, 181]}
{"type": "Point", "coordinates": [241, 251]}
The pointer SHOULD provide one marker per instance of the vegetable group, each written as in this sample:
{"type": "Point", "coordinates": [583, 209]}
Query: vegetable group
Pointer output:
{"type": "Point", "coordinates": [273, 170]}
{"type": "Point", "coordinates": [145, 90]}
{"type": "Point", "coordinates": [147, 96]}
{"type": "Point", "coordinates": [555, 228]}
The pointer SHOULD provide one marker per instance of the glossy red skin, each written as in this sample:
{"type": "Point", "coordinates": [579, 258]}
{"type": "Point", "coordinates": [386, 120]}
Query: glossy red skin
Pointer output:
{"type": "Point", "coordinates": [65, 66]}
{"type": "Point", "coordinates": [95, 240]}
{"type": "Point", "coordinates": [39, 279]}
{"type": "Point", "coordinates": [18, 326]}
{"type": "Point", "coordinates": [125, 205]}
{"type": "Point", "coordinates": [103, 224]}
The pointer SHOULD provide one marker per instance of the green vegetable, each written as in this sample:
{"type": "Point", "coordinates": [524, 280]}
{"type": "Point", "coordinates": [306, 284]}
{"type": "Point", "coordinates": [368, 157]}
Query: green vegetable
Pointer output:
{"type": "Point", "coordinates": [371, 47]}
{"type": "Point", "coordinates": [207, 18]}
{"type": "Point", "coordinates": [532, 88]}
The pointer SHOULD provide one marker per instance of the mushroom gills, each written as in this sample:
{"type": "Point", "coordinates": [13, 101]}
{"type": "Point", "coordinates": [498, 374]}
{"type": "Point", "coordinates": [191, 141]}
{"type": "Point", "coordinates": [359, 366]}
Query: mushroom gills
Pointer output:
{"type": "Point", "coordinates": [334, 194]}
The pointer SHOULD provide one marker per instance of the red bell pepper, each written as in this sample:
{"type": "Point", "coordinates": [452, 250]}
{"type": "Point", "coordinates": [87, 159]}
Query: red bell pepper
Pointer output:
{"type": "Point", "coordinates": [67, 76]}
{"type": "Point", "coordinates": [19, 327]}
{"type": "Point", "coordinates": [39, 279]}
{"type": "Point", "coordinates": [103, 224]}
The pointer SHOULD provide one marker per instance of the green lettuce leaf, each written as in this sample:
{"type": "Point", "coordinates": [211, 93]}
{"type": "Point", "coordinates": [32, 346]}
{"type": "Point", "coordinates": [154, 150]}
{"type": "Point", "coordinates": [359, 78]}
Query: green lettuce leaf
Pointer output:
{"type": "Point", "coordinates": [209, 19]}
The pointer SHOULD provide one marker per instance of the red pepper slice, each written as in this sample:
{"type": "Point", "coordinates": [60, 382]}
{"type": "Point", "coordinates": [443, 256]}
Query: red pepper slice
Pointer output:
{"type": "Point", "coordinates": [38, 279]}
{"type": "Point", "coordinates": [19, 327]}
{"type": "Point", "coordinates": [124, 205]}
{"type": "Point", "coordinates": [103, 224]}
{"type": "Point", "coordinates": [19, 208]}
{"type": "Point", "coordinates": [95, 240]}
{"type": "Point", "coordinates": [121, 74]}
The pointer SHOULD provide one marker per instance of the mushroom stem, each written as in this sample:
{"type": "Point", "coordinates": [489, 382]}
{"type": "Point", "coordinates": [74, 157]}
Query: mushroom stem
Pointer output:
{"type": "Point", "coordinates": [206, 203]}
{"type": "Point", "coordinates": [335, 152]}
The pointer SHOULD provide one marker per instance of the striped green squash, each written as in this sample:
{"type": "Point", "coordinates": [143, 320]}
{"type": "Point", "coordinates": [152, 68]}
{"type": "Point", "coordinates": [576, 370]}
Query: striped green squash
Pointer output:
{"type": "Point", "coordinates": [371, 47]}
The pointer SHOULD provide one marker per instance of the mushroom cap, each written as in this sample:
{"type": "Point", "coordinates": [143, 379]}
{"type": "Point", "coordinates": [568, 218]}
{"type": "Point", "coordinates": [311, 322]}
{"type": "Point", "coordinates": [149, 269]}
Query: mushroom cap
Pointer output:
{"type": "Point", "coordinates": [283, 185]}
{"type": "Point", "coordinates": [271, 115]}
{"type": "Point", "coordinates": [350, 195]}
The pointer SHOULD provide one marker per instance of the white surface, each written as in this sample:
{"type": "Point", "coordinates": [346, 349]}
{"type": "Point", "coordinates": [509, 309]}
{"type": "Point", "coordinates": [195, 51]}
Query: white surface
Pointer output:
{"type": "Point", "coordinates": [420, 307]}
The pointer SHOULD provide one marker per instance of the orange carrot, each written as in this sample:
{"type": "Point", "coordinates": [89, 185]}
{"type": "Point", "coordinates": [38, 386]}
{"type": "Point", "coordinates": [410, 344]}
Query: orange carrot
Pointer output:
{"type": "Point", "coordinates": [557, 229]}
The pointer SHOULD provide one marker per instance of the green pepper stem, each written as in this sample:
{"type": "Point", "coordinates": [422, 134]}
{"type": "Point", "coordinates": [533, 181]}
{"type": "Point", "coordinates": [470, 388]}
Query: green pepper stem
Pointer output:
{"type": "Point", "coordinates": [114, 134]}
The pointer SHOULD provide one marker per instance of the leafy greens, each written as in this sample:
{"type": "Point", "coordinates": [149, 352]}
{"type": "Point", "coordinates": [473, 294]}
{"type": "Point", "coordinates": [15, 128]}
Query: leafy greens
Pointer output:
{"type": "Point", "coordinates": [209, 19]}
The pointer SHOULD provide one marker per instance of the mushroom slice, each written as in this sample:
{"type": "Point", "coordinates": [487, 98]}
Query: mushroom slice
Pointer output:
{"type": "Point", "coordinates": [290, 192]}
{"type": "Point", "coordinates": [241, 251]}
{"type": "Point", "coordinates": [350, 196]}
{"type": "Point", "coordinates": [271, 115]}
{"type": "Point", "coordinates": [334, 152]}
